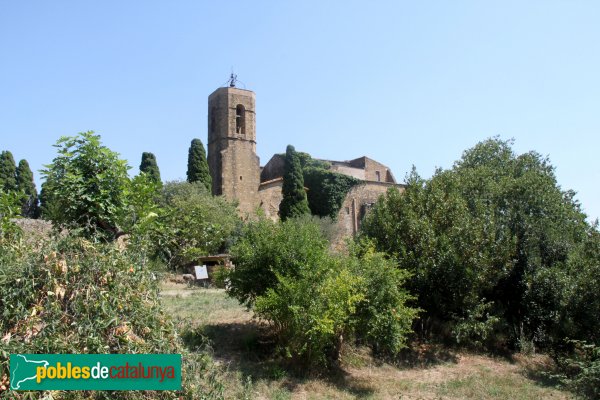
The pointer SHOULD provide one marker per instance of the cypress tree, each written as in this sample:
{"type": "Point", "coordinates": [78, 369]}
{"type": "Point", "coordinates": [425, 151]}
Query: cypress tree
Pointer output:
{"type": "Point", "coordinates": [294, 203]}
{"type": "Point", "coordinates": [25, 184]}
{"type": "Point", "coordinates": [150, 167]}
{"type": "Point", "coordinates": [48, 209]}
{"type": "Point", "coordinates": [198, 165]}
{"type": "Point", "coordinates": [8, 172]}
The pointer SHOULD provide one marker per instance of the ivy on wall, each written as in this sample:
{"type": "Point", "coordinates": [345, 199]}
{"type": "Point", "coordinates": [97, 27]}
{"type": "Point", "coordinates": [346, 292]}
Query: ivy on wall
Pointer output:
{"type": "Point", "coordinates": [326, 190]}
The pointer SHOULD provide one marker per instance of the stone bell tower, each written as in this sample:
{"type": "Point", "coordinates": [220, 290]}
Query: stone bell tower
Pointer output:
{"type": "Point", "coordinates": [232, 160]}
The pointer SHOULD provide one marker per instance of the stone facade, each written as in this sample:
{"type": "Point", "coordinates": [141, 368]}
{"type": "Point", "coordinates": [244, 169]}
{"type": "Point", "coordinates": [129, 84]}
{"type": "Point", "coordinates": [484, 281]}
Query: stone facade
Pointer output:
{"type": "Point", "coordinates": [357, 203]}
{"type": "Point", "coordinates": [232, 160]}
{"type": "Point", "coordinates": [273, 169]}
{"type": "Point", "coordinates": [374, 171]}
{"type": "Point", "coordinates": [362, 168]}
{"type": "Point", "coordinates": [270, 195]}
{"type": "Point", "coordinates": [237, 174]}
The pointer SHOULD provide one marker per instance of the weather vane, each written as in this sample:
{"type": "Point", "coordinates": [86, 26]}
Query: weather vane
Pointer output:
{"type": "Point", "coordinates": [232, 79]}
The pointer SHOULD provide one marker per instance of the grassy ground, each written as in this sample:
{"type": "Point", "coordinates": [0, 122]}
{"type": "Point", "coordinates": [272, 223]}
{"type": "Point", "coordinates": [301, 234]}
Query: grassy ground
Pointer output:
{"type": "Point", "coordinates": [241, 353]}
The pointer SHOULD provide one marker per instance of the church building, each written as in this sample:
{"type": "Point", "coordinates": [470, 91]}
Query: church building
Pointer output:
{"type": "Point", "coordinates": [237, 174]}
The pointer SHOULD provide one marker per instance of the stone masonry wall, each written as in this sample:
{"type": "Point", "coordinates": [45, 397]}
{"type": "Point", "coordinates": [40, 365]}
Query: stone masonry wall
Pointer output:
{"type": "Point", "coordinates": [371, 169]}
{"type": "Point", "coordinates": [270, 196]}
{"type": "Point", "coordinates": [232, 159]}
{"type": "Point", "coordinates": [356, 204]}
{"type": "Point", "coordinates": [240, 177]}
{"type": "Point", "coordinates": [349, 171]}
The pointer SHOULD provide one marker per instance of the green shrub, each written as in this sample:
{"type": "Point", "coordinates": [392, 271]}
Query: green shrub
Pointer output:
{"type": "Point", "coordinates": [86, 182]}
{"type": "Point", "coordinates": [269, 249]}
{"type": "Point", "coordinates": [192, 223]}
{"type": "Point", "coordinates": [311, 312]}
{"type": "Point", "coordinates": [87, 188]}
{"type": "Point", "coordinates": [477, 328]}
{"type": "Point", "coordinates": [581, 370]}
{"type": "Point", "coordinates": [75, 296]}
{"type": "Point", "coordinates": [497, 226]}
{"type": "Point", "coordinates": [383, 319]}
{"type": "Point", "coordinates": [315, 300]}
{"type": "Point", "coordinates": [9, 208]}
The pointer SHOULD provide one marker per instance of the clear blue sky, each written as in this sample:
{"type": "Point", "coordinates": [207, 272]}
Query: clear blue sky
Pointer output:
{"type": "Point", "coordinates": [401, 82]}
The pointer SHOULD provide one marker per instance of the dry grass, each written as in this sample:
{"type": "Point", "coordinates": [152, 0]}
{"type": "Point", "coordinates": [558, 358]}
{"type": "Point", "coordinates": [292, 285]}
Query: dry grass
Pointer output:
{"type": "Point", "coordinates": [249, 370]}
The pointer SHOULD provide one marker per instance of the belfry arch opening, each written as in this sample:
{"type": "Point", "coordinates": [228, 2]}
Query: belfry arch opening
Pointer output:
{"type": "Point", "coordinates": [240, 119]}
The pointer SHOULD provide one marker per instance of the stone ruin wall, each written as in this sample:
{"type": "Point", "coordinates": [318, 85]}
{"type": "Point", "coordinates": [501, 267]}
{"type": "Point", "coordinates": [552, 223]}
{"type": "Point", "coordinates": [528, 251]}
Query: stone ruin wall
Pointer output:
{"type": "Point", "coordinates": [355, 205]}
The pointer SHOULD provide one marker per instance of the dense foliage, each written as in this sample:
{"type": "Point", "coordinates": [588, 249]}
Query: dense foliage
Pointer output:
{"type": "Point", "coordinates": [315, 300]}
{"type": "Point", "coordinates": [149, 167]}
{"type": "Point", "coordinates": [197, 167]}
{"type": "Point", "coordinates": [266, 250]}
{"type": "Point", "coordinates": [326, 190]}
{"type": "Point", "coordinates": [87, 188]}
{"type": "Point", "coordinates": [72, 295]}
{"type": "Point", "coordinates": [382, 319]}
{"type": "Point", "coordinates": [494, 245]}
{"type": "Point", "coordinates": [19, 180]}
{"type": "Point", "coordinates": [9, 209]}
{"type": "Point", "coordinates": [191, 223]}
{"type": "Point", "coordinates": [294, 202]}
{"type": "Point", "coordinates": [25, 185]}
{"type": "Point", "coordinates": [8, 172]}
{"type": "Point", "coordinates": [579, 371]}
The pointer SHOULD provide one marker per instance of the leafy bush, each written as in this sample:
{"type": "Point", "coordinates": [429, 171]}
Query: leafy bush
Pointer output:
{"type": "Point", "coordinates": [581, 370]}
{"type": "Point", "coordinates": [76, 296]}
{"type": "Point", "coordinates": [476, 329]}
{"type": "Point", "coordinates": [192, 223]}
{"type": "Point", "coordinates": [87, 188]}
{"type": "Point", "coordinates": [316, 300]}
{"type": "Point", "coordinates": [495, 226]}
{"type": "Point", "coordinates": [382, 319]}
{"type": "Point", "coordinates": [74, 282]}
{"type": "Point", "coordinates": [311, 312]}
{"type": "Point", "coordinates": [267, 250]}
{"type": "Point", "coordinates": [10, 207]}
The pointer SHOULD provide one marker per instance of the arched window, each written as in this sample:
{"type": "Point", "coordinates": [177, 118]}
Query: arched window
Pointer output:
{"type": "Point", "coordinates": [240, 120]}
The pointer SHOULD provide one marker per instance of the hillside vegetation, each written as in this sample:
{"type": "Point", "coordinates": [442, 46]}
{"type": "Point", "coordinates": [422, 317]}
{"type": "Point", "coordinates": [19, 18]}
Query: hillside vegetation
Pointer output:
{"type": "Point", "coordinates": [490, 258]}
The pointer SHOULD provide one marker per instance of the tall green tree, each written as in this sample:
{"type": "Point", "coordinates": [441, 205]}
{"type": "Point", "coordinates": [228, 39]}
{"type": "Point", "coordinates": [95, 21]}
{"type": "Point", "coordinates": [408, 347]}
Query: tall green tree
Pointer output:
{"type": "Point", "coordinates": [8, 172]}
{"type": "Point", "coordinates": [149, 166]}
{"type": "Point", "coordinates": [25, 184]}
{"type": "Point", "coordinates": [494, 238]}
{"type": "Point", "coordinates": [294, 202]}
{"type": "Point", "coordinates": [197, 169]}
{"type": "Point", "coordinates": [89, 186]}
